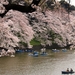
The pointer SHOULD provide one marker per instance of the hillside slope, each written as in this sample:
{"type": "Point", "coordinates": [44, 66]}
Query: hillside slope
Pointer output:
{"type": "Point", "coordinates": [18, 29]}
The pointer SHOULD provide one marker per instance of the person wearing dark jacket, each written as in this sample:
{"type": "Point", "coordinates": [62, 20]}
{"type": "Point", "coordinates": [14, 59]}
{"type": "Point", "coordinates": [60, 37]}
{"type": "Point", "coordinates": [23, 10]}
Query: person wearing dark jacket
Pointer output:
{"type": "Point", "coordinates": [71, 70]}
{"type": "Point", "coordinates": [67, 70]}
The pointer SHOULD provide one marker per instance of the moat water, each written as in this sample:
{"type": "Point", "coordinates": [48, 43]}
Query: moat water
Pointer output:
{"type": "Point", "coordinates": [23, 64]}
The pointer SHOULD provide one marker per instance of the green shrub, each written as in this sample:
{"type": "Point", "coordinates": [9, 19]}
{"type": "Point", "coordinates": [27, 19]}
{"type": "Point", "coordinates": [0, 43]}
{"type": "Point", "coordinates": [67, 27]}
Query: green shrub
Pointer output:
{"type": "Point", "coordinates": [23, 43]}
{"type": "Point", "coordinates": [18, 34]}
{"type": "Point", "coordinates": [54, 35]}
{"type": "Point", "coordinates": [34, 41]}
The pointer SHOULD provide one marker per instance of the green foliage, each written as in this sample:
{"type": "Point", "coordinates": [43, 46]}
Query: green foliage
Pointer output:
{"type": "Point", "coordinates": [65, 4]}
{"type": "Point", "coordinates": [50, 4]}
{"type": "Point", "coordinates": [34, 41]}
{"type": "Point", "coordinates": [72, 8]}
{"type": "Point", "coordinates": [23, 43]}
{"type": "Point", "coordinates": [18, 34]}
{"type": "Point", "coordinates": [54, 35]}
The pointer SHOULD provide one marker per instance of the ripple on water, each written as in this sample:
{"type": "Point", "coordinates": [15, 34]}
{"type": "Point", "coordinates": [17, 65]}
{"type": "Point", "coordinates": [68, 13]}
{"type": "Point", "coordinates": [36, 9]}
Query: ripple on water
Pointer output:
{"type": "Point", "coordinates": [22, 64]}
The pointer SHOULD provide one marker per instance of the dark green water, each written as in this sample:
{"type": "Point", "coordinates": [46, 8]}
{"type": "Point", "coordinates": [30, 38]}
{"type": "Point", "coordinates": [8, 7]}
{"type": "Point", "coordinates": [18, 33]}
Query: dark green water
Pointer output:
{"type": "Point", "coordinates": [22, 64]}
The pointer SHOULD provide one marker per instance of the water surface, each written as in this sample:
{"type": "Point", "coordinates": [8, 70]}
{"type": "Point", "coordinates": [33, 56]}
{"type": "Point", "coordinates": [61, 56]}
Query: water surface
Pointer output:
{"type": "Point", "coordinates": [22, 64]}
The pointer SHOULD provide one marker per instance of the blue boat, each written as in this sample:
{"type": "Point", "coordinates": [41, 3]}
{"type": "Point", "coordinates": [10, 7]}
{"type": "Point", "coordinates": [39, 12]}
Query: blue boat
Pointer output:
{"type": "Point", "coordinates": [64, 50]}
{"type": "Point", "coordinates": [43, 53]}
{"type": "Point", "coordinates": [19, 51]}
{"type": "Point", "coordinates": [28, 50]}
{"type": "Point", "coordinates": [55, 50]}
{"type": "Point", "coordinates": [34, 54]}
{"type": "Point", "coordinates": [65, 72]}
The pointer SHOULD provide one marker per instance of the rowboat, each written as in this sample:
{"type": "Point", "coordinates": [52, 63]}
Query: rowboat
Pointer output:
{"type": "Point", "coordinates": [19, 51]}
{"type": "Point", "coordinates": [65, 72]}
{"type": "Point", "coordinates": [28, 50]}
{"type": "Point", "coordinates": [55, 50]}
{"type": "Point", "coordinates": [64, 50]}
{"type": "Point", "coordinates": [43, 54]}
{"type": "Point", "coordinates": [34, 54]}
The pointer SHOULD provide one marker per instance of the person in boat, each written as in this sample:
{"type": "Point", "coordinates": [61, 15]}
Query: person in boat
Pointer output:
{"type": "Point", "coordinates": [71, 70]}
{"type": "Point", "coordinates": [67, 69]}
{"type": "Point", "coordinates": [43, 50]}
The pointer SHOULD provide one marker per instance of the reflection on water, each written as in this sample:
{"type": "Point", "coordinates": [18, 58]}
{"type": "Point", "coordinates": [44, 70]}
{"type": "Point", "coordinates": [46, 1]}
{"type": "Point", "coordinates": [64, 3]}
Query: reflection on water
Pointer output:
{"type": "Point", "coordinates": [23, 64]}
